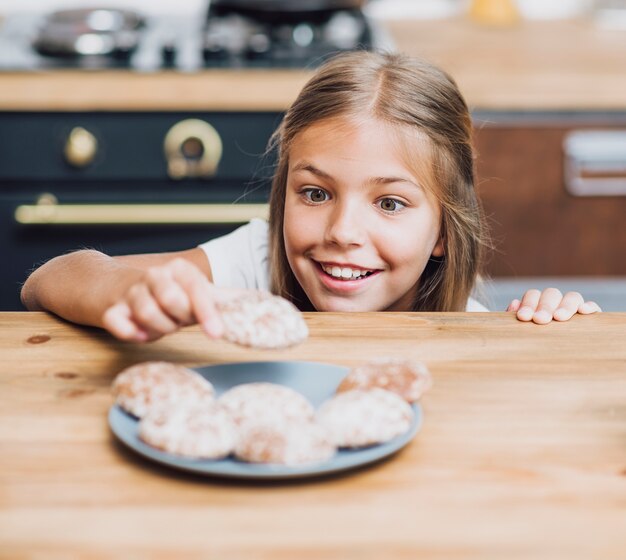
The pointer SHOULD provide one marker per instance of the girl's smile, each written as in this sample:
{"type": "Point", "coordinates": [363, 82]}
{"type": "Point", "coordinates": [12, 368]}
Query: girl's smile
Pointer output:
{"type": "Point", "coordinates": [345, 279]}
{"type": "Point", "coordinates": [359, 229]}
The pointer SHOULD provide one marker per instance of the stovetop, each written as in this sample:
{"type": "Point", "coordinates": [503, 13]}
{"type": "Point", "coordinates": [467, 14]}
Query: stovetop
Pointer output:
{"type": "Point", "coordinates": [188, 44]}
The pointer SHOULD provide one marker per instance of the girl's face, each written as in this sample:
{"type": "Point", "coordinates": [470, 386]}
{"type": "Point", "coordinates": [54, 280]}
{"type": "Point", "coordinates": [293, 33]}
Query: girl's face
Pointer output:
{"type": "Point", "coordinates": [358, 229]}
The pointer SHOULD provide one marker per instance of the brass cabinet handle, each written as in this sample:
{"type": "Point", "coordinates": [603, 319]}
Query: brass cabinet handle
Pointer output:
{"type": "Point", "coordinates": [48, 213]}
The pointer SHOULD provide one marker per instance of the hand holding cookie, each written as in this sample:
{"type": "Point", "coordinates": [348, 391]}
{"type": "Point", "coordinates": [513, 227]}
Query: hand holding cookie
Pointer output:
{"type": "Point", "coordinates": [177, 294]}
{"type": "Point", "coordinates": [164, 299]}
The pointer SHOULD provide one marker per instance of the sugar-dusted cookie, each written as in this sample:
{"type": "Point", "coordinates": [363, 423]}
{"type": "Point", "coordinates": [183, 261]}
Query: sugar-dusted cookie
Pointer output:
{"type": "Point", "coordinates": [262, 320]}
{"type": "Point", "coordinates": [143, 386]}
{"type": "Point", "coordinates": [267, 403]}
{"type": "Point", "coordinates": [287, 443]}
{"type": "Point", "coordinates": [407, 378]}
{"type": "Point", "coordinates": [359, 418]}
{"type": "Point", "coordinates": [199, 430]}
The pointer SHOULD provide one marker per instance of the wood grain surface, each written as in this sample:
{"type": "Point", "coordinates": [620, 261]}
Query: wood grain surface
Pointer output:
{"type": "Point", "coordinates": [535, 65]}
{"type": "Point", "coordinates": [522, 453]}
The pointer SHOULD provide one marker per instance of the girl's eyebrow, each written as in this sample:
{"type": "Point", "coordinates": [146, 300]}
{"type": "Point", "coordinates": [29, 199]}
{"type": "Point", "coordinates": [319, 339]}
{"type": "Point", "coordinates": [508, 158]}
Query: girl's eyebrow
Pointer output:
{"type": "Point", "coordinates": [389, 180]}
{"type": "Point", "coordinates": [305, 166]}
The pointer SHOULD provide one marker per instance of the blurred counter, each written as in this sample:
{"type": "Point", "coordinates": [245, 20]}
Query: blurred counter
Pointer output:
{"type": "Point", "coordinates": [535, 65]}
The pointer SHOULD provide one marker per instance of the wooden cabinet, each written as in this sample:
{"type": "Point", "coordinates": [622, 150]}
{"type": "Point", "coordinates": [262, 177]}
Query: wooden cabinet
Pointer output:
{"type": "Point", "coordinates": [538, 227]}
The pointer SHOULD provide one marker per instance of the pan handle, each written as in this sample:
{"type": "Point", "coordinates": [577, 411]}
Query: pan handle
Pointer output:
{"type": "Point", "coordinates": [47, 211]}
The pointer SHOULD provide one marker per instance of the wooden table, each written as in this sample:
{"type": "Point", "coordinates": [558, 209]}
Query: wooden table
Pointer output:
{"type": "Point", "coordinates": [522, 453]}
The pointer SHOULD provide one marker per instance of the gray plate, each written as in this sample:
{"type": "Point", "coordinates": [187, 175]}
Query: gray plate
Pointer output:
{"type": "Point", "coordinates": [316, 381]}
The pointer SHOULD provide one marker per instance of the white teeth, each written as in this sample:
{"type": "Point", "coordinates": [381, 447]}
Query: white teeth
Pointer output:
{"type": "Point", "coordinates": [344, 273]}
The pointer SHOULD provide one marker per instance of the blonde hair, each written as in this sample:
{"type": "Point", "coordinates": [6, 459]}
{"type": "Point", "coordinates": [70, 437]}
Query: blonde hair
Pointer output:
{"type": "Point", "coordinates": [405, 92]}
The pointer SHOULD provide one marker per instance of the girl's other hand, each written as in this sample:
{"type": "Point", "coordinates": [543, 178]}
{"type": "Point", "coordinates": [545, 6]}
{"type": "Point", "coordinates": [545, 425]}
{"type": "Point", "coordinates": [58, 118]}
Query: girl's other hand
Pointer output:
{"type": "Point", "coordinates": [164, 299]}
{"type": "Point", "coordinates": [542, 307]}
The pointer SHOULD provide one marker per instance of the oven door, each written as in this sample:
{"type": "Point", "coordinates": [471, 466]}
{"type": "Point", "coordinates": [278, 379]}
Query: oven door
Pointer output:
{"type": "Point", "coordinates": [34, 231]}
{"type": "Point", "coordinates": [143, 190]}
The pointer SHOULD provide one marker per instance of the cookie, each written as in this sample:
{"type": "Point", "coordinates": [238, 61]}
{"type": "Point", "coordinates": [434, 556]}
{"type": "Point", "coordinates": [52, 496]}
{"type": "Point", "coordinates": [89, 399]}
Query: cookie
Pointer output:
{"type": "Point", "coordinates": [199, 430]}
{"type": "Point", "coordinates": [407, 378]}
{"type": "Point", "coordinates": [360, 418]}
{"type": "Point", "coordinates": [143, 386]}
{"type": "Point", "coordinates": [262, 320]}
{"type": "Point", "coordinates": [267, 403]}
{"type": "Point", "coordinates": [289, 443]}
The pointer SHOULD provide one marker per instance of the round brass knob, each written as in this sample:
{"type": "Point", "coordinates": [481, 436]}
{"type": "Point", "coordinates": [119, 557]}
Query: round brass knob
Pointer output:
{"type": "Point", "coordinates": [81, 147]}
{"type": "Point", "coordinates": [193, 148]}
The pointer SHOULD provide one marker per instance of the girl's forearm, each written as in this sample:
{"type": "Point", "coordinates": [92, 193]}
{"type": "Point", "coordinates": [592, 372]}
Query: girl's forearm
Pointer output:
{"type": "Point", "coordinates": [79, 286]}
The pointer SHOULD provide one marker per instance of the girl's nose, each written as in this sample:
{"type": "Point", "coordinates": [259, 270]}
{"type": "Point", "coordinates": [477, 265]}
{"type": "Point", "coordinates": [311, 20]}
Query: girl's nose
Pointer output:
{"type": "Point", "coordinates": [346, 225]}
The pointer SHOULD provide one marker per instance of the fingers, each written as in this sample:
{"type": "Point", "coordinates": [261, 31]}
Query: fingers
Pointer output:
{"type": "Point", "coordinates": [202, 296]}
{"type": "Point", "coordinates": [571, 302]}
{"type": "Point", "coordinates": [548, 303]}
{"type": "Point", "coordinates": [539, 307]}
{"type": "Point", "coordinates": [514, 305]}
{"type": "Point", "coordinates": [166, 298]}
{"type": "Point", "coordinates": [148, 313]}
{"type": "Point", "coordinates": [589, 307]}
{"type": "Point", "coordinates": [117, 320]}
{"type": "Point", "coordinates": [169, 294]}
{"type": "Point", "coordinates": [528, 305]}
{"type": "Point", "coordinates": [542, 307]}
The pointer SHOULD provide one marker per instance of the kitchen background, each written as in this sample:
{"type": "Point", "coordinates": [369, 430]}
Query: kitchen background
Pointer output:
{"type": "Point", "coordinates": [529, 9]}
{"type": "Point", "coordinates": [159, 121]}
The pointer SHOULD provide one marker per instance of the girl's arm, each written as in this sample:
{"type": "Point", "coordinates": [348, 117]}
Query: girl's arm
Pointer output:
{"type": "Point", "coordinates": [543, 307]}
{"type": "Point", "coordinates": [135, 297]}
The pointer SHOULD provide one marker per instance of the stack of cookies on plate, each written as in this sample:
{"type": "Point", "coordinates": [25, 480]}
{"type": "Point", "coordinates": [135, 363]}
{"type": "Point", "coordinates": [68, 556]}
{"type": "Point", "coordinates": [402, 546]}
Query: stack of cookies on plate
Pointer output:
{"type": "Point", "coordinates": [180, 413]}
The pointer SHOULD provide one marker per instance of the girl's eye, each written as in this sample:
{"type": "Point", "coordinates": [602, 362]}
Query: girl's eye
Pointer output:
{"type": "Point", "coordinates": [315, 195]}
{"type": "Point", "coordinates": [391, 205]}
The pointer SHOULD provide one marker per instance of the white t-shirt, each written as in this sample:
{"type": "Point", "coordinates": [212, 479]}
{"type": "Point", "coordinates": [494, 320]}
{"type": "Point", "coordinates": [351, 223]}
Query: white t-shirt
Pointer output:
{"type": "Point", "coordinates": [241, 260]}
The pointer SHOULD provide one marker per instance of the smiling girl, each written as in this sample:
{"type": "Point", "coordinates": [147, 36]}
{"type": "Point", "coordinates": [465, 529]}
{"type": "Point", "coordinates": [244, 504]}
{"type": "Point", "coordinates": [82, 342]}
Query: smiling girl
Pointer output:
{"type": "Point", "coordinates": [372, 208]}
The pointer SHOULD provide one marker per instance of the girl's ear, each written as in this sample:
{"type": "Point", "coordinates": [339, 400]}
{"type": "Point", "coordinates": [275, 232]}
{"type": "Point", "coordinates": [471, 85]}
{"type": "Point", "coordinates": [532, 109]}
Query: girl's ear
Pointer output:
{"type": "Point", "coordinates": [438, 250]}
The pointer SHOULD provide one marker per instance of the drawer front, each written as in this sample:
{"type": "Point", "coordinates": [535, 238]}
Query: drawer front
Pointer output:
{"type": "Point", "coordinates": [540, 227]}
{"type": "Point", "coordinates": [127, 146]}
